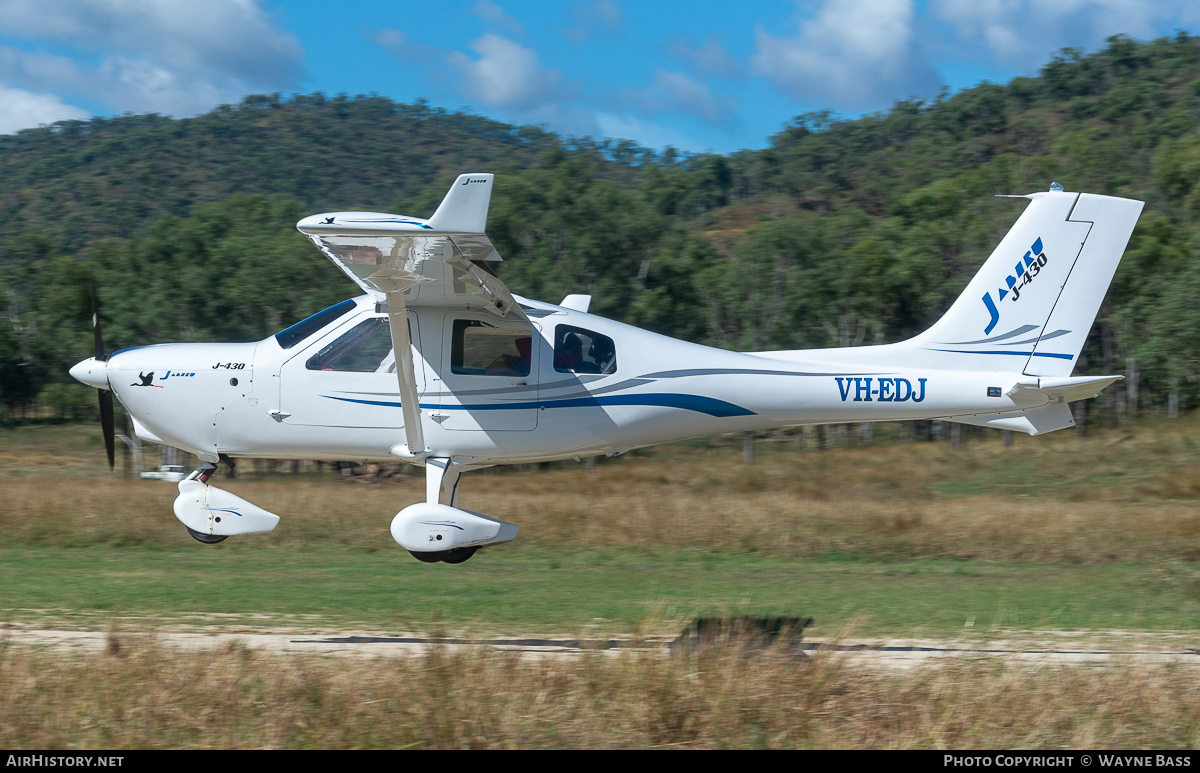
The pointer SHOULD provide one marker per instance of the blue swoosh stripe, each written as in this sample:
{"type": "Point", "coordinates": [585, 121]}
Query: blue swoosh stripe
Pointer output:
{"type": "Point", "coordinates": [128, 349]}
{"type": "Point", "coordinates": [223, 510]}
{"type": "Point", "coordinates": [697, 403]}
{"type": "Point", "coordinates": [397, 222]}
{"type": "Point", "coordinates": [1020, 354]}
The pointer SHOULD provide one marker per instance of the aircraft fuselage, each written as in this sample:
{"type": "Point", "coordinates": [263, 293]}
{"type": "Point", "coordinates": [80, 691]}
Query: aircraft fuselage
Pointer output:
{"type": "Point", "coordinates": [263, 400]}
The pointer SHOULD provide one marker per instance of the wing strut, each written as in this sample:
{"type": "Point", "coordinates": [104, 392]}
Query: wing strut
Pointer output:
{"type": "Point", "coordinates": [405, 373]}
{"type": "Point", "coordinates": [394, 282]}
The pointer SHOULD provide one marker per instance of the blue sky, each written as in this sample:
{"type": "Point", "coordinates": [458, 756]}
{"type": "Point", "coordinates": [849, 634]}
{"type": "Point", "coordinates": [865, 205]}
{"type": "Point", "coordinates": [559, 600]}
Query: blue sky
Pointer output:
{"type": "Point", "coordinates": [699, 75]}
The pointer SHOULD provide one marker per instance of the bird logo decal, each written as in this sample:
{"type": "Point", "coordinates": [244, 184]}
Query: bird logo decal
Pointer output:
{"type": "Point", "coordinates": [147, 378]}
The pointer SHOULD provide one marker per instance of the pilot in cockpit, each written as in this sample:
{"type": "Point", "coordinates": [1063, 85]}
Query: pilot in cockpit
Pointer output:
{"type": "Point", "coordinates": [603, 354]}
{"type": "Point", "coordinates": [569, 353]}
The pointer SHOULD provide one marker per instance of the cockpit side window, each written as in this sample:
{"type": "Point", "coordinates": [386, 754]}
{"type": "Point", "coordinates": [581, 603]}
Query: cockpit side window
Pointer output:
{"type": "Point", "coordinates": [305, 328]}
{"type": "Point", "coordinates": [577, 350]}
{"type": "Point", "coordinates": [365, 348]}
{"type": "Point", "coordinates": [480, 349]}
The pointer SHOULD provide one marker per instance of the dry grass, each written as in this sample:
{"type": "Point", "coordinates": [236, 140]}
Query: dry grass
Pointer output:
{"type": "Point", "coordinates": [879, 503]}
{"type": "Point", "coordinates": [770, 512]}
{"type": "Point", "coordinates": [139, 695]}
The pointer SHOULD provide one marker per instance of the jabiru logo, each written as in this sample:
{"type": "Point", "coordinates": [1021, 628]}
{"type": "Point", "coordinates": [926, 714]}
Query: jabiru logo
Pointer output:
{"type": "Point", "coordinates": [1026, 269]}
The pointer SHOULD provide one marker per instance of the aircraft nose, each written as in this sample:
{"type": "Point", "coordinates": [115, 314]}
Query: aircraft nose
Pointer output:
{"type": "Point", "coordinates": [92, 372]}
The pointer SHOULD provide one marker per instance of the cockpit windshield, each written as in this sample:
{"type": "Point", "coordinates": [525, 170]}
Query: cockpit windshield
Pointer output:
{"type": "Point", "coordinates": [304, 328]}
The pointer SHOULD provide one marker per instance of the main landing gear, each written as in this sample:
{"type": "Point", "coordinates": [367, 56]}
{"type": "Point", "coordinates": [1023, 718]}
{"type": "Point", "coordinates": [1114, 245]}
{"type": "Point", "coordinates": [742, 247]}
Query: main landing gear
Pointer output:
{"type": "Point", "coordinates": [456, 556]}
{"type": "Point", "coordinates": [442, 476]}
{"type": "Point", "coordinates": [444, 533]}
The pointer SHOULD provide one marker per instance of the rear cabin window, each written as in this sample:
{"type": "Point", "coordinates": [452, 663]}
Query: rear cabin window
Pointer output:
{"type": "Point", "coordinates": [365, 348]}
{"type": "Point", "coordinates": [480, 349]}
{"type": "Point", "coordinates": [577, 350]}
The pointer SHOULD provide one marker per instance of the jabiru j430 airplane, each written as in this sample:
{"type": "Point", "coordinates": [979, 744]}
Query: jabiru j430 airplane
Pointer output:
{"type": "Point", "coordinates": [439, 365]}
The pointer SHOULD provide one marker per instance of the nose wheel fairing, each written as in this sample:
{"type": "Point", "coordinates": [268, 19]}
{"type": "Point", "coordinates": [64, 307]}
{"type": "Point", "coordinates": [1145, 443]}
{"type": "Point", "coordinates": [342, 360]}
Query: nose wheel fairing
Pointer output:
{"type": "Point", "coordinates": [208, 510]}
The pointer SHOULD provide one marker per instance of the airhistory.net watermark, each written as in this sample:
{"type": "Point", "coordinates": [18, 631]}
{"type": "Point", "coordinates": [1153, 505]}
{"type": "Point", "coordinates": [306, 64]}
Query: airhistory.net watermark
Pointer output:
{"type": "Point", "coordinates": [62, 761]}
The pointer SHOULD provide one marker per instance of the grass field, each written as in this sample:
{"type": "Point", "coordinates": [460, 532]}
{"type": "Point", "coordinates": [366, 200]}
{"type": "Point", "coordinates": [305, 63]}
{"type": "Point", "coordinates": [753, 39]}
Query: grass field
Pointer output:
{"type": "Point", "coordinates": [534, 590]}
{"type": "Point", "coordinates": [893, 539]}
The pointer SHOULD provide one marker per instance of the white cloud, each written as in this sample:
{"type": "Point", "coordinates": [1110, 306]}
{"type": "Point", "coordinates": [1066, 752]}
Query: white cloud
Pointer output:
{"type": "Point", "coordinates": [709, 59]}
{"type": "Point", "coordinates": [607, 12]}
{"type": "Point", "coordinates": [501, 76]}
{"type": "Point", "coordinates": [179, 57]}
{"type": "Point", "coordinates": [591, 17]}
{"type": "Point", "coordinates": [506, 75]}
{"type": "Point", "coordinates": [646, 133]}
{"type": "Point", "coordinates": [495, 16]}
{"type": "Point", "coordinates": [39, 71]}
{"type": "Point", "coordinates": [573, 121]}
{"type": "Point", "coordinates": [508, 80]}
{"type": "Point", "coordinates": [396, 43]}
{"type": "Point", "coordinates": [672, 92]}
{"type": "Point", "coordinates": [1025, 32]}
{"type": "Point", "coordinates": [853, 54]}
{"type": "Point", "coordinates": [20, 109]}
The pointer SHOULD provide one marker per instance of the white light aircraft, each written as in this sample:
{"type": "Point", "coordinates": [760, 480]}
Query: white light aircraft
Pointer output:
{"type": "Point", "coordinates": [439, 365]}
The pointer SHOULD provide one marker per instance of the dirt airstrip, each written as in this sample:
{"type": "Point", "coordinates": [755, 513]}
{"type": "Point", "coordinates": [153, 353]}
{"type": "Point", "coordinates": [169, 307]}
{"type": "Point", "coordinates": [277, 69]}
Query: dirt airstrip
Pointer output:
{"type": "Point", "coordinates": [1030, 648]}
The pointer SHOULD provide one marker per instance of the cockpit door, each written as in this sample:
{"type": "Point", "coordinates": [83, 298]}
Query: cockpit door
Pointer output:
{"type": "Point", "coordinates": [348, 377]}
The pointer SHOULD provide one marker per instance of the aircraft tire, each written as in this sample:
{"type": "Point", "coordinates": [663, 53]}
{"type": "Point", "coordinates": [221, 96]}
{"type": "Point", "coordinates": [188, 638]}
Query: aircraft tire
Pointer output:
{"type": "Point", "coordinates": [458, 555]}
{"type": "Point", "coordinates": [429, 558]}
{"type": "Point", "coordinates": [207, 539]}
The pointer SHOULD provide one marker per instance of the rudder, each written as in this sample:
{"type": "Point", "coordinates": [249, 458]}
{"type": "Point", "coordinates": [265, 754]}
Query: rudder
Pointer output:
{"type": "Point", "coordinates": [1111, 223]}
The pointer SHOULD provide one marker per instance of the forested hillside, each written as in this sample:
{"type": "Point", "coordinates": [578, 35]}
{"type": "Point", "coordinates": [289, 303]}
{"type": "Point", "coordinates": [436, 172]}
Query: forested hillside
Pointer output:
{"type": "Point", "coordinates": [840, 232]}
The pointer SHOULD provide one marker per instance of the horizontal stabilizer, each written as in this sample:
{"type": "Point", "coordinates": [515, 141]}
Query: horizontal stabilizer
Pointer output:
{"type": "Point", "coordinates": [1054, 414]}
{"type": "Point", "coordinates": [1037, 421]}
{"type": "Point", "coordinates": [1070, 389]}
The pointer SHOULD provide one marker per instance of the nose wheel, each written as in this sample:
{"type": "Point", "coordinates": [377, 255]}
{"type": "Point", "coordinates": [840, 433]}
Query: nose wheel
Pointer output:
{"type": "Point", "coordinates": [207, 539]}
{"type": "Point", "coordinates": [455, 556]}
{"type": "Point", "coordinates": [202, 473]}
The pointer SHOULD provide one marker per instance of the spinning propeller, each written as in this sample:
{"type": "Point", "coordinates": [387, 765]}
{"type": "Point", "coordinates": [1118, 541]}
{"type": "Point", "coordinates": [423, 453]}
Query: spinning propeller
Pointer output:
{"type": "Point", "coordinates": [106, 395]}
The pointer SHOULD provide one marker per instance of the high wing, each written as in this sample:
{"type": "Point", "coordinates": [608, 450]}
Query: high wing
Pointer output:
{"type": "Point", "coordinates": [406, 261]}
{"type": "Point", "coordinates": [441, 261]}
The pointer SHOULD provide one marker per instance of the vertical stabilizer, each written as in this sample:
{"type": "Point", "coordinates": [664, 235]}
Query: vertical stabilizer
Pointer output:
{"type": "Point", "coordinates": [1030, 307]}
